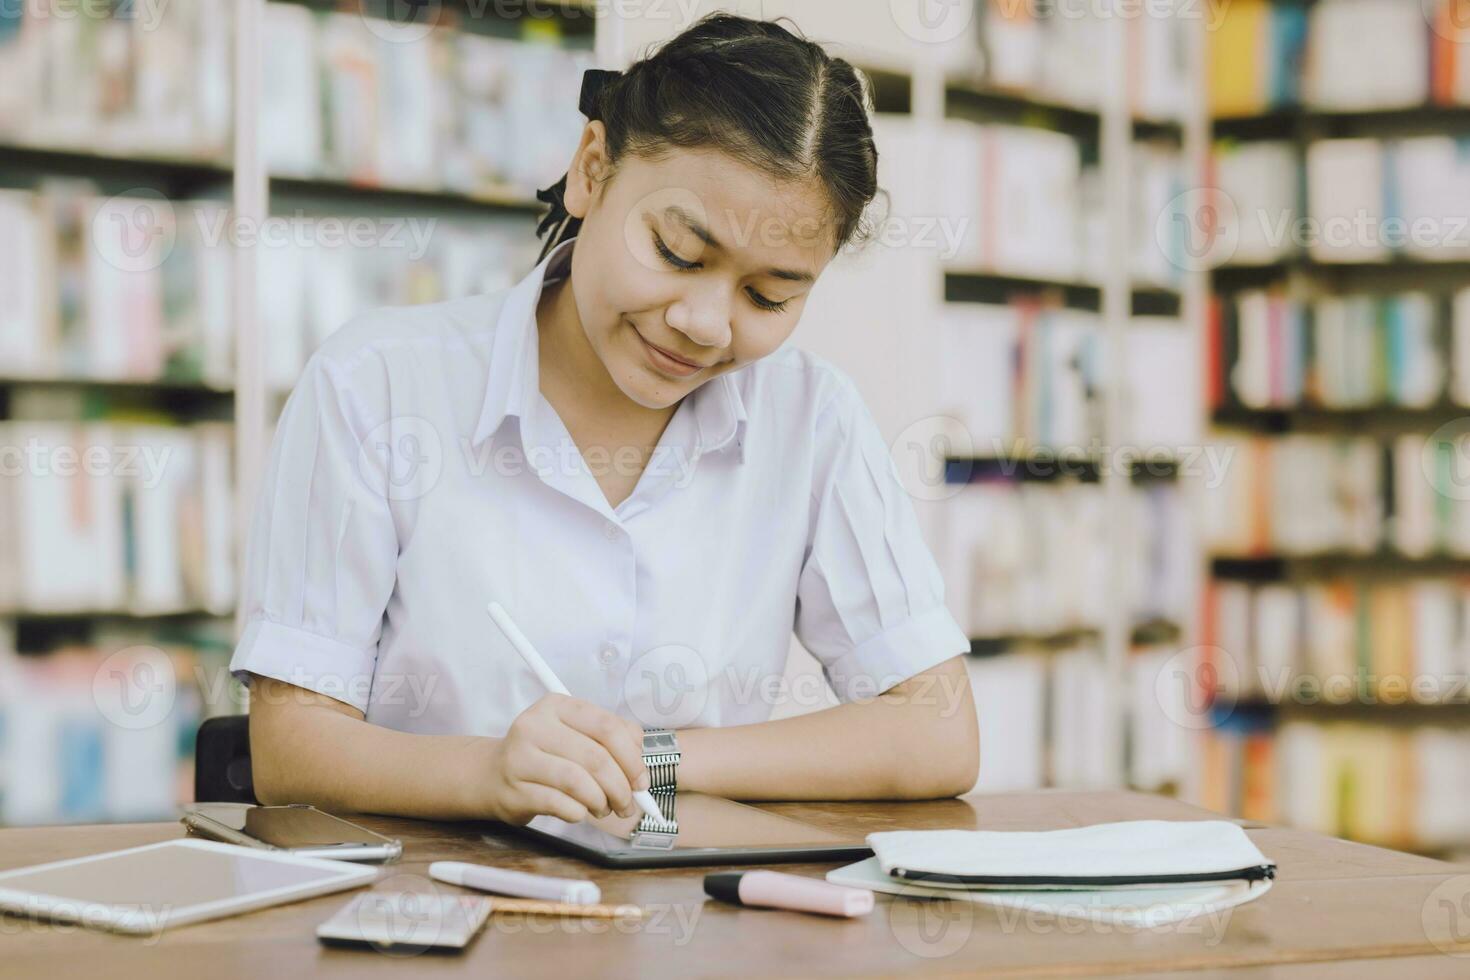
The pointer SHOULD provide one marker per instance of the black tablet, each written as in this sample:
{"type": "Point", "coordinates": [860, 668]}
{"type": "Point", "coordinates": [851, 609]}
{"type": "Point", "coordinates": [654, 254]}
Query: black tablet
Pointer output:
{"type": "Point", "coordinates": [701, 830]}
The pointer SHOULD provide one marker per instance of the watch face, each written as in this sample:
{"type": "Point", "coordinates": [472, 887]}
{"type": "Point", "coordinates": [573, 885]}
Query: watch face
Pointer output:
{"type": "Point", "coordinates": [660, 743]}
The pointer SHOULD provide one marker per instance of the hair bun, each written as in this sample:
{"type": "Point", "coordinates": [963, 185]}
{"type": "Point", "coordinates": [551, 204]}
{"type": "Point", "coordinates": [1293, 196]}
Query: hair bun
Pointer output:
{"type": "Point", "coordinates": [594, 80]}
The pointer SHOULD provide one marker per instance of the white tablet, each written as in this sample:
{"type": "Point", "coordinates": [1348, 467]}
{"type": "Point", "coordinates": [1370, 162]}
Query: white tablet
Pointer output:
{"type": "Point", "coordinates": [144, 890]}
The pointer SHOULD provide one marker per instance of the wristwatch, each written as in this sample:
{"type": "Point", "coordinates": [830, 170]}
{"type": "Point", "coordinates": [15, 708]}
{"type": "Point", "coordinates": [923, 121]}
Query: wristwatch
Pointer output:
{"type": "Point", "coordinates": [661, 756]}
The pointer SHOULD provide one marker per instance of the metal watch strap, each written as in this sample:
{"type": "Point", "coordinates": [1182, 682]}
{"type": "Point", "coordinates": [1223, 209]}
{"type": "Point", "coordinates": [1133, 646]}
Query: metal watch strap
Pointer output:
{"type": "Point", "coordinates": [661, 756]}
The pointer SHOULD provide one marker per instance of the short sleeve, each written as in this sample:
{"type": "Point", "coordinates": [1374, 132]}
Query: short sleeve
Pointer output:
{"type": "Point", "coordinates": [870, 599]}
{"type": "Point", "coordinates": [322, 550]}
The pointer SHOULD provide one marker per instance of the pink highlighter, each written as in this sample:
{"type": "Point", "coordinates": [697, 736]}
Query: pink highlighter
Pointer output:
{"type": "Point", "coordinates": [775, 890]}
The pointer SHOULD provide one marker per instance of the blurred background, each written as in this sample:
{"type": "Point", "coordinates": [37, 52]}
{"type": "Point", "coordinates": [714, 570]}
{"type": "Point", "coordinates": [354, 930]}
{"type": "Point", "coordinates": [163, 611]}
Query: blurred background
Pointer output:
{"type": "Point", "coordinates": [1166, 316]}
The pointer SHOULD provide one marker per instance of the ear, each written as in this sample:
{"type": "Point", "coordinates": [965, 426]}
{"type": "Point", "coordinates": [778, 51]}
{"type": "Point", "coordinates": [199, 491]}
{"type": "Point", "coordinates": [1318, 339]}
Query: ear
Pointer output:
{"type": "Point", "coordinates": [589, 167]}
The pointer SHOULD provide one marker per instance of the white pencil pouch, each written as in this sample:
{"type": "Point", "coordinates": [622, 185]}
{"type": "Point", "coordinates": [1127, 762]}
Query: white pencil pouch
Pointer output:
{"type": "Point", "coordinates": [1130, 854]}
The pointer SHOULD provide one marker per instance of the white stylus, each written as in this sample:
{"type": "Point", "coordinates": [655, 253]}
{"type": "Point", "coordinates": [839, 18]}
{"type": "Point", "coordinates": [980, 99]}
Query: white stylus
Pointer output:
{"type": "Point", "coordinates": [553, 684]}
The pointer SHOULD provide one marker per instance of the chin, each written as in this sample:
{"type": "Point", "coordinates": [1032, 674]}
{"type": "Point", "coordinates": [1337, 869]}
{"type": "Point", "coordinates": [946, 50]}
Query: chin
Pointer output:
{"type": "Point", "coordinates": [654, 394]}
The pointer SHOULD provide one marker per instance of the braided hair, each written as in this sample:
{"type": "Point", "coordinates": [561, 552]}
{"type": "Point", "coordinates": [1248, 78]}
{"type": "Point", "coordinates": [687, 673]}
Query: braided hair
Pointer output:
{"type": "Point", "coordinates": [750, 88]}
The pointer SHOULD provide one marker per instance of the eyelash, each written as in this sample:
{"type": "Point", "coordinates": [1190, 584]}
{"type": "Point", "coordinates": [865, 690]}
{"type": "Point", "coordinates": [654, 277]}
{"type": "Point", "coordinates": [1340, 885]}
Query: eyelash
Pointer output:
{"type": "Point", "coordinates": [673, 260]}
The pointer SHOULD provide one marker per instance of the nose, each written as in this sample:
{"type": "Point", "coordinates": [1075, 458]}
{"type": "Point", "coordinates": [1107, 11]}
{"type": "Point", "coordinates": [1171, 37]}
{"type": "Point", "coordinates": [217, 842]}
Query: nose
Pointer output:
{"type": "Point", "coordinates": [703, 315]}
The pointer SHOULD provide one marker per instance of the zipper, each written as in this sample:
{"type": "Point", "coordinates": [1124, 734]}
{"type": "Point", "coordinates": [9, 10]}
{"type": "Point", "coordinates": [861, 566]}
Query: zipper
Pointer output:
{"type": "Point", "coordinates": [1257, 872]}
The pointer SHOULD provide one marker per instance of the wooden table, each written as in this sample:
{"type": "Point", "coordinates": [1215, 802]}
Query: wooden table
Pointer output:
{"type": "Point", "coordinates": [1333, 902]}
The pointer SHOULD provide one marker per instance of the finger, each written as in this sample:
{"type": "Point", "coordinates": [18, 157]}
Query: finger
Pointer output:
{"type": "Point", "coordinates": [561, 773]}
{"type": "Point", "coordinates": [538, 798]}
{"type": "Point", "coordinates": [592, 756]}
{"type": "Point", "coordinates": [612, 733]}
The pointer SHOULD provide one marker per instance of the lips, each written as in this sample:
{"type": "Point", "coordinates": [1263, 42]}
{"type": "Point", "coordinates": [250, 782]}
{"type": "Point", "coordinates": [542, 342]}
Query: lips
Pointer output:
{"type": "Point", "coordinates": [674, 357]}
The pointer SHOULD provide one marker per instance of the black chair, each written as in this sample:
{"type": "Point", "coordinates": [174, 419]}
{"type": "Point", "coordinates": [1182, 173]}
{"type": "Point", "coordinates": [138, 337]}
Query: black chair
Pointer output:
{"type": "Point", "coordinates": [222, 761]}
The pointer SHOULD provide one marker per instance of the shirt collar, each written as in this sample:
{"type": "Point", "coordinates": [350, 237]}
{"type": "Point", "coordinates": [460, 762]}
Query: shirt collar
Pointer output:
{"type": "Point", "coordinates": [514, 376]}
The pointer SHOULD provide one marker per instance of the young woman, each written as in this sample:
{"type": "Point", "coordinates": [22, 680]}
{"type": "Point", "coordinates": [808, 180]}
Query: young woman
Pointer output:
{"type": "Point", "coordinates": [621, 453]}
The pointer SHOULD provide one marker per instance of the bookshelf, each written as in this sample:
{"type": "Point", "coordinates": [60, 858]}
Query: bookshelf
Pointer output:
{"type": "Point", "coordinates": [60, 156]}
{"type": "Point", "coordinates": [1387, 610]}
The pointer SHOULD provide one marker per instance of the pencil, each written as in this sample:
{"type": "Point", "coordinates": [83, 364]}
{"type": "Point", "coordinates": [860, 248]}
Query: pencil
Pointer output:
{"type": "Point", "coordinates": [531, 906]}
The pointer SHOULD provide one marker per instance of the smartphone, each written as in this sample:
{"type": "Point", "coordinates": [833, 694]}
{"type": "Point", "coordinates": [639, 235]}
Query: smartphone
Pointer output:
{"type": "Point", "coordinates": [296, 827]}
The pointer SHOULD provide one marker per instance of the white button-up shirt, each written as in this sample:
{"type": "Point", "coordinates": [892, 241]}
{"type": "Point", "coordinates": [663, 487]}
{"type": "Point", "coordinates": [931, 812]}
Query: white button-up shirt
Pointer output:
{"type": "Point", "coordinates": [418, 473]}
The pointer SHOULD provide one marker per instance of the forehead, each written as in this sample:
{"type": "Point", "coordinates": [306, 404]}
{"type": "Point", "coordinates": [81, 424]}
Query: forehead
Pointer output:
{"type": "Point", "coordinates": [742, 207]}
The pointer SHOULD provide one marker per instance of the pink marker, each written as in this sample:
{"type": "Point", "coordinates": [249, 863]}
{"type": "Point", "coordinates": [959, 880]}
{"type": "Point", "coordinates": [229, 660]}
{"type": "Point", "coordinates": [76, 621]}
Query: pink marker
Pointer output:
{"type": "Point", "coordinates": [775, 890]}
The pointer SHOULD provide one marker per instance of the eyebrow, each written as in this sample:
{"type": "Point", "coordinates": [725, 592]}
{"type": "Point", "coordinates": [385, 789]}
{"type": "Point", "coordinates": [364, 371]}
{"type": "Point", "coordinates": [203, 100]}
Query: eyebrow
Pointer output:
{"type": "Point", "coordinates": [682, 213]}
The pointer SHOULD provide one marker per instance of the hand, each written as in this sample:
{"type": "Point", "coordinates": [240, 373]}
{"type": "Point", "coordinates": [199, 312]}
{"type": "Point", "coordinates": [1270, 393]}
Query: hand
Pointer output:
{"type": "Point", "coordinates": [567, 758]}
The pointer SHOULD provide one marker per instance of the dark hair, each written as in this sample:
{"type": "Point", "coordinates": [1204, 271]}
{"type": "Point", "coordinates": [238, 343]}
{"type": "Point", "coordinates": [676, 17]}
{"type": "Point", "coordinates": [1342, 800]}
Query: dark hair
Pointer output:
{"type": "Point", "coordinates": [751, 88]}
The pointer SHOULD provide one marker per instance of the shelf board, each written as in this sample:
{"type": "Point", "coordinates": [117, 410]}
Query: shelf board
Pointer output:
{"type": "Point", "coordinates": [1049, 467]}
{"type": "Point", "coordinates": [1381, 419]}
{"type": "Point", "coordinates": [1302, 122]}
{"type": "Point", "coordinates": [1319, 709]}
{"type": "Point", "coordinates": [122, 614]}
{"type": "Point", "coordinates": [967, 99]}
{"type": "Point", "coordinates": [176, 176]}
{"type": "Point", "coordinates": [1391, 271]}
{"type": "Point", "coordinates": [1150, 632]}
{"type": "Point", "coordinates": [980, 286]}
{"type": "Point", "coordinates": [326, 188]}
{"type": "Point", "coordinates": [1378, 564]}
{"type": "Point", "coordinates": [159, 384]}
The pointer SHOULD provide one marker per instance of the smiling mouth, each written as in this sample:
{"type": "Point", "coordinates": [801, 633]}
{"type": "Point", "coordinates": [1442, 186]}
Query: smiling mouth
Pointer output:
{"type": "Point", "coordinates": [666, 361]}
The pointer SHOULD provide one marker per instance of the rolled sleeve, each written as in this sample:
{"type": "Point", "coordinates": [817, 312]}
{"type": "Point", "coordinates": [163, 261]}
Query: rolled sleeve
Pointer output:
{"type": "Point", "coordinates": [322, 553]}
{"type": "Point", "coordinates": [870, 599]}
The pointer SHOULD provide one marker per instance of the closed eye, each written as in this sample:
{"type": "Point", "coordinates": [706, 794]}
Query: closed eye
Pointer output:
{"type": "Point", "coordinates": [769, 305]}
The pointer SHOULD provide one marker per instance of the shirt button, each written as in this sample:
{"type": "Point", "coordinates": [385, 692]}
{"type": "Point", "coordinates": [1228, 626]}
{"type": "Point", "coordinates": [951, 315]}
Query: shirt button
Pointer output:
{"type": "Point", "coordinates": [610, 531]}
{"type": "Point", "coordinates": [608, 655]}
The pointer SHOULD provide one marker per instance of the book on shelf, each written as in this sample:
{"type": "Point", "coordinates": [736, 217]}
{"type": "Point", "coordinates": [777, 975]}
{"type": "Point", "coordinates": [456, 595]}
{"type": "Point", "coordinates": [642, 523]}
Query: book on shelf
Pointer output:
{"type": "Point", "coordinates": [1302, 495]}
{"type": "Point", "coordinates": [1016, 186]}
{"type": "Point", "coordinates": [1373, 200]}
{"type": "Point", "coordinates": [1042, 722]}
{"type": "Point", "coordinates": [1366, 54]}
{"type": "Point", "coordinates": [123, 81]}
{"type": "Point", "coordinates": [1260, 197]}
{"type": "Point", "coordinates": [1012, 565]}
{"type": "Point", "coordinates": [1255, 53]}
{"type": "Point", "coordinates": [113, 516]}
{"type": "Point", "coordinates": [1339, 641]}
{"type": "Point", "coordinates": [1394, 786]}
{"type": "Point", "coordinates": [1029, 372]}
{"type": "Point", "coordinates": [1338, 56]}
{"type": "Point", "coordinates": [310, 285]}
{"type": "Point", "coordinates": [115, 289]}
{"type": "Point", "coordinates": [104, 731]}
{"type": "Point", "coordinates": [1273, 350]}
{"type": "Point", "coordinates": [1055, 55]}
{"type": "Point", "coordinates": [455, 111]}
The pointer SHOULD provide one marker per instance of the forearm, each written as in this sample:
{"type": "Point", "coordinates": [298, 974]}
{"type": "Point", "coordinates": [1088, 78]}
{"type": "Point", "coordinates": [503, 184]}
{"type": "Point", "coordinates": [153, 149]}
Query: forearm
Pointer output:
{"type": "Point", "coordinates": [917, 741]}
{"type": "Point", "coordinates": [326, 755]}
